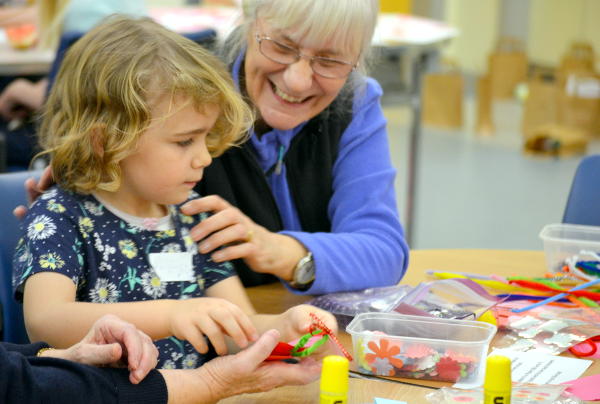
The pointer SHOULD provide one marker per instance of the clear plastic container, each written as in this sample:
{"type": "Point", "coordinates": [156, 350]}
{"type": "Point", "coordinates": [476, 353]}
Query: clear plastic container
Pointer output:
{"type": "Point", "coordinates": [563, 241]}
{"type": "Point", "coordinates": [397, 345]}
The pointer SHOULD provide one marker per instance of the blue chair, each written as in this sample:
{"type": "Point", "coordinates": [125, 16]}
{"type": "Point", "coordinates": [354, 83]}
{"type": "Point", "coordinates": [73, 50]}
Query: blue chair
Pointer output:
{"type": "Point", "coordinates": [12, 194]}
{"type": "Point", "coordinates": [583, 205]}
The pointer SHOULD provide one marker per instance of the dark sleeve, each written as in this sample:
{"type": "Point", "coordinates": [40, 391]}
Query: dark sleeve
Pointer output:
{"type": "Point", "coordinates": [29, 379]}
{"type": "Point", "coordinates": [24, 349]}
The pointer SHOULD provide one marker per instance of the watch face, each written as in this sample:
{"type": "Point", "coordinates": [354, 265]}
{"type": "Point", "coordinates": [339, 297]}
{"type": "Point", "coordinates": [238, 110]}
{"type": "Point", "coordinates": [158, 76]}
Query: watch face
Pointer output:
{"type": "Point", "coordinates": [306, 272]}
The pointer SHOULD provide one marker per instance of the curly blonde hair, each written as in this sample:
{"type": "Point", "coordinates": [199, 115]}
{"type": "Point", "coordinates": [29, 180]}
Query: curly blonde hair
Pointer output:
{"type": "Point", "coordinates": [106, 83]}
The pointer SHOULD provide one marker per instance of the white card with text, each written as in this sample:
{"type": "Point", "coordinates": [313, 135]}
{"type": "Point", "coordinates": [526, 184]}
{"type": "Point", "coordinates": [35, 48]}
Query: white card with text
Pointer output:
{"type": "Point", "coordinates": [541, 368]}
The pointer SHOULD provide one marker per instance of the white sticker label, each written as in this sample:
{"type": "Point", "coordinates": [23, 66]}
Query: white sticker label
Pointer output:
{"type": "Point", "coordinates": [173, 267]}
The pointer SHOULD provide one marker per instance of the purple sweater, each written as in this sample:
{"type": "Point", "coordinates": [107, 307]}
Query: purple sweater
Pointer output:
{"type": "Point", "coordinates": [366, 246]}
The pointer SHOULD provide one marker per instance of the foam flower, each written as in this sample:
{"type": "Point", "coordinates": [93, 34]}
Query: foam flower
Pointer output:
{"type": "Point", "coordinates": [425, 363]}
{"type": "Point", "coordinates": [459, 357]}
{"type": "Point", "coordinates": [448, 369]}
{"type": "Point", "coordinates": [384, 351]}
{"type": "Point", "coordinates": [382, 367]}
{"type": "Point", "coordinates": [418, 351]}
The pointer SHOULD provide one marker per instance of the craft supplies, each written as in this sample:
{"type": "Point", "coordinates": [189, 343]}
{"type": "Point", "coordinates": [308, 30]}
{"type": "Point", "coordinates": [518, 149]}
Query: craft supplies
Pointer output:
{"type": "Point", "coordinates": [321, 324]}
{"type": "Point", "coordinates": [541, 369]}
{"type": "Point", "coordinates": [547, 328]}
{"type": "Point", "coordinates": [388, 344]}
{"type": "Point", "coordinates": [448, 298]}
{"type": "Point", "coordinates": [557, 296]}
{"type": "Point", "coordinates": [488, 283]}
{"type": "Point", "coordinates": [498, 383]}
{"type": "Point", "coordinates": [587, 348]}
{"type": "Point", "coordinates": [520, 394]}
{"type": "Point", "coordinates": [345, 305]}
{"type": "Point", "coordinates": [318, 335]}
{"type": "Point", "coordinates": [563, 240]}
{"type": "Point", "coordinates": [586, 388]}
{"type": "Point", "coordinates": [334, 380]}
{"type": "Point", "coordinates": [457, 274]}
{"type": "Point", "coordinates": [488, 317]}
{"type": "Point", "coordinates": [305, 346]}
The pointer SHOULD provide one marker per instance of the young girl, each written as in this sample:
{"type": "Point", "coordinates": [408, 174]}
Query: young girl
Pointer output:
{"type": "Point", "coordinates": [132, 121]}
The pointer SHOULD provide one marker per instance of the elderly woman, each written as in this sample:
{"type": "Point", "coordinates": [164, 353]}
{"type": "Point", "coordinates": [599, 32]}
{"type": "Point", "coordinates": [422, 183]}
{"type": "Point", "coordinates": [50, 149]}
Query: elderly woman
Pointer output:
{"type": "Point", "coordinates": [310, 196]}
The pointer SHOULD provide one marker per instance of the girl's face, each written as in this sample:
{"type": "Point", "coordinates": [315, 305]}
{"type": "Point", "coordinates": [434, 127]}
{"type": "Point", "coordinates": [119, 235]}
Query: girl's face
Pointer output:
{"type": "Point", "coordinates": [169, 160]}
{"type": "Point", "coordinates": [287, 95]}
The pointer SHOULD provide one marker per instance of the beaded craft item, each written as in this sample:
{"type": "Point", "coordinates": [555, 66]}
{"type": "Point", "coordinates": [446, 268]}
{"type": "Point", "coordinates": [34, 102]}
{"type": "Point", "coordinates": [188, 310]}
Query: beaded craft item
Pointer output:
{"type": "Point", "coordinates": [319, 334]}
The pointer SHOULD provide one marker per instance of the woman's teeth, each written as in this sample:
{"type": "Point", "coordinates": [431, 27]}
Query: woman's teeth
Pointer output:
{"type": "Point", "coordinates": [286, 97]}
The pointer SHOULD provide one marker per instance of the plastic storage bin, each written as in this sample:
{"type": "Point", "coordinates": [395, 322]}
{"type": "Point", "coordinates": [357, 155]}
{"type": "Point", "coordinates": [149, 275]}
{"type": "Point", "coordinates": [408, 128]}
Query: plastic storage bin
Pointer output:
{"type": "Point", "coordinates": [397, 345]}
{"type": "Point", "coordinates": [562, 241]}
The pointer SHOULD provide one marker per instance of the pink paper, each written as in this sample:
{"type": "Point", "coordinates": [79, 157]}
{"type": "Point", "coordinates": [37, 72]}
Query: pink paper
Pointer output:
{"type": "Point", "coordinates": [586, 388]}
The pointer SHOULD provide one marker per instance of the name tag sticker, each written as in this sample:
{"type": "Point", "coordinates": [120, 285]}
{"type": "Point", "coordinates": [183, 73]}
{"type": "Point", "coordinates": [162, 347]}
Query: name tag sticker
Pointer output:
{"type": "Point", "coordinates": [173, 267]}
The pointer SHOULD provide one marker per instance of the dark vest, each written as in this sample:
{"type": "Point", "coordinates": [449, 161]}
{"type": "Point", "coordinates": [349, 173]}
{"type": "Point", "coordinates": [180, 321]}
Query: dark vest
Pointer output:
{"type": "Point", "coordinates": [238, 178]}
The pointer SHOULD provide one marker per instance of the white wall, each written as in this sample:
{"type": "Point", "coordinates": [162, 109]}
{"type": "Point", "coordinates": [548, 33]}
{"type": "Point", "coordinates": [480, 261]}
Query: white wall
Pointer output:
{"type": "Point", "coordinates": [554, 24]}
{"type": "Point", "coordinates": [547, 27]}
{"type": "Point", "coordinates": [477, 21]}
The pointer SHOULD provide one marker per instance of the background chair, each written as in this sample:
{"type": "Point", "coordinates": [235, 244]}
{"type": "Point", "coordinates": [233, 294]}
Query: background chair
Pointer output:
{"type": "Point", "coordinates": [12, 193]}
{"type": "Point", "coordinates": [583, 204]}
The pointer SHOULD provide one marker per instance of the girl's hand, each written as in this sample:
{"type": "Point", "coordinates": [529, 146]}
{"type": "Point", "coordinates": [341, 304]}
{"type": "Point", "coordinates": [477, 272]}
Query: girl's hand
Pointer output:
{"type": "Point", "coordinates": [240, 237]}
{"type": "Point", "coordinates": [214, 318]}
{"type": "Point", "coordinates": [297, 321]}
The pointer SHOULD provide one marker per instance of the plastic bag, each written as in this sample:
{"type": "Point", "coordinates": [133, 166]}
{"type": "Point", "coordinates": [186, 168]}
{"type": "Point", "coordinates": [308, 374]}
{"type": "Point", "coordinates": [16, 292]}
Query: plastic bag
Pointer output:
{"type": "Point", "coordinates": [345, 305]}
{"type": "Point", "coordinates": [448, 298]}
{"type": "Point", "coordinates": [550, 329]}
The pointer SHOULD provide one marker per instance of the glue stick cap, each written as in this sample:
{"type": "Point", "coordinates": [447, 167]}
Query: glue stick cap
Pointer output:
{"type": "Point", "coordinates": [334, 375]}
{"type": "Point", "coordinates": [497, 374]}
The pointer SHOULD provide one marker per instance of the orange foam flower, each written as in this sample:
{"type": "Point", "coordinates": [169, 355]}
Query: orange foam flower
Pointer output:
{"type": "Point", "coordinates": [384, 351]}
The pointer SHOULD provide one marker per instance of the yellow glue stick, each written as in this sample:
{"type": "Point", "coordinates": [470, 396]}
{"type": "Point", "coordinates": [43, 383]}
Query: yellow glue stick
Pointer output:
{"type": "Point", "coordinates": [497, 386]}
{"type": "Point", "coordinates": [334, 380]}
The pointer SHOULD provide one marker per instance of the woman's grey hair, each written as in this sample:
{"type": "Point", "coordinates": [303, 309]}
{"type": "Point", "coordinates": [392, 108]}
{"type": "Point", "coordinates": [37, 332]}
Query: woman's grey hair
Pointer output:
{"type": "Point", "coordinates": [349, 24]}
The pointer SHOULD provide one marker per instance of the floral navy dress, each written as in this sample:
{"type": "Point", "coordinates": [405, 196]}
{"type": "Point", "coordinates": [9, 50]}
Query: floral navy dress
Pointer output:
{"type": "Point", "coordinates": [106, 257]}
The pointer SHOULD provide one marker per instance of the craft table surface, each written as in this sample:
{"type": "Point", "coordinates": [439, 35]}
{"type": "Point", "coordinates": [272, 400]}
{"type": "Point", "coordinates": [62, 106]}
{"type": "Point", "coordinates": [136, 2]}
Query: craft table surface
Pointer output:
{"type": "Point", "coordinates": [274, 298]}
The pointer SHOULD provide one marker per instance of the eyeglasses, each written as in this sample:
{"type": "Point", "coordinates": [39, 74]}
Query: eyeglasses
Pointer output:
{"type": "Point", "coordinates": [286, 55]}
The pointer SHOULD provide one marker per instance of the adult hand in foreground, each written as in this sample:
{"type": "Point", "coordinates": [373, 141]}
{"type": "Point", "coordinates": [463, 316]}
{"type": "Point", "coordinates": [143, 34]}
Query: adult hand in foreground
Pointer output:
{"type": "Point", "coordinates": [113, 342]}
{"type": "Point", "coordinates": [244, 372]}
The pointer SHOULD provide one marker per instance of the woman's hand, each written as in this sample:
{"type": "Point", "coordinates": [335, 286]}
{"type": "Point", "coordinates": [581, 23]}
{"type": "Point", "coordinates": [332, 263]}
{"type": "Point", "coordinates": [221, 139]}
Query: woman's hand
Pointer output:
{"type": "Point", "coordinates": [112, 341]}
{"type": "Point", "coordinates": [239, 237]}
{"type": "Point", "coordinates": [244, 372]}
{"type": "Point", "coordinates": [214, 318]}
{"type": "Point", "coordinates": [34, 189]}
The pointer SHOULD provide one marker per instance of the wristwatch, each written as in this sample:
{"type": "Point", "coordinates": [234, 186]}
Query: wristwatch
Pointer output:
{"type": "Point", "coordinates": [304, 273]}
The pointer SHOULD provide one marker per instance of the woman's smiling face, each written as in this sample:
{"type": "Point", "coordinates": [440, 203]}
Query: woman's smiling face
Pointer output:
{"type": "Point", "coordinates": [287, 95]}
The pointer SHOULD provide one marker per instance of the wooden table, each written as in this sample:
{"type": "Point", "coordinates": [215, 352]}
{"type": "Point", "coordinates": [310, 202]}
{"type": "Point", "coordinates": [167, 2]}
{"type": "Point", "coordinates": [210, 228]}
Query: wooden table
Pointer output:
{"type": "Point", "coordinates": [15, 62]}
{"type": "Point", "coordinates": [274, 298]}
